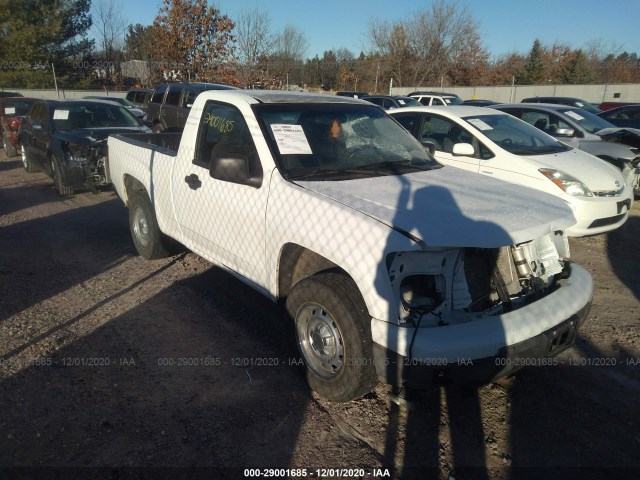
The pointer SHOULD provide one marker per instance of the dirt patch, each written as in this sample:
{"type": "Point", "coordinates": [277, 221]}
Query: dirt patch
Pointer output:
{"type": "Point", "coordinates": [173, 365]}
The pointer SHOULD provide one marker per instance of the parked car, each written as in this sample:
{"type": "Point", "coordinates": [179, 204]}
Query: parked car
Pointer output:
{"type": "Point", "coordinates": [352, 94]}
{"type": "Point", "coordinates": [572, 101]}
{"type": "Point", "coordinates": [170, 104]}
{"type": "Point", "coordinates": [390, 265]}
{"type": "Point", "coordinates": [624, 116]}
{"type": "Point", "coordinates": [495, 143]}
{"type": "Point", "coordinates": [389, 102]}
{"type": "Point", "coordinates": [67, 139]}
{"type": "Point", "coordinates": [586, 131]}
{"type": "Point", "coordinates": [140, 97]}
{"type": "Point", "coordinates": [136, 112]}
{"type": "Point", "coordinates": [10, 94]}
{"type": "Point", "coordinates": [609, 105]}
{"type": "Point", "coordinates": [479, 103]}
{"type": "Point", "coordinates": [12, 110]}
{"type": "Point", "coordinates": [436, 98]}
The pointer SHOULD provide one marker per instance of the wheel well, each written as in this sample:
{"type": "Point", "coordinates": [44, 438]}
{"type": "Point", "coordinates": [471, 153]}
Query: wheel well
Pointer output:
{"type": "Point", "coordinates": [297, 263]}
{"type": "Point", "coordinates": [132, 185]}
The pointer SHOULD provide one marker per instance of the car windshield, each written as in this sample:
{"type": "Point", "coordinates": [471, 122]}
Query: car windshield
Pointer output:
{"type": "Point", "coordinates": [122, 101]}
{"type": "Point", "coordinates": [515, 136]}
{"type": "Point", "coordinates": [338, 141]}
{"type": "Point", "coordinates": [452, 100]}
{"type": "Point", "coordinates": [590, 122]}
{"type": "Point", "coordinates": [408, 102]}
{"type": "Point", "coordinates": [17, 108]}
{"type": "Point", "coordinates": [92, 115]}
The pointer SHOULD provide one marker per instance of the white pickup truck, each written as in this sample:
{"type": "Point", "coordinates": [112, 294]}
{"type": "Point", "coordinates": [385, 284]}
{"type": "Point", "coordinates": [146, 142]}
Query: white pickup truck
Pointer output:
{"type": "Point", "coordinates": [392, 267]}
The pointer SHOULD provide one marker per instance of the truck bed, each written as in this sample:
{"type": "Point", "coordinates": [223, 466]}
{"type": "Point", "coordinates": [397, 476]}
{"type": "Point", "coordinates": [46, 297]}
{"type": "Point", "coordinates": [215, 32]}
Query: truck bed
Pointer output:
{"type": "Point", "coordinates": [166, 143]}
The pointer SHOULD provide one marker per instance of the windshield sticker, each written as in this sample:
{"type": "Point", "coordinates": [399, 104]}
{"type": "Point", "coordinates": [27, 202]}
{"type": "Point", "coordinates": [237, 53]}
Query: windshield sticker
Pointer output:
{"type": "Point", "coordinates": [479, 124]}
{"type": "Point", "coordinates": [61, 115]}
{"type": "Point", "coordinates": [291, 139]}
{"type": "Point", "coordinates": [10, 110]}
{"type": "Point", "coordinates": [401, 102]}
{"type": "Point", "coordinates": [574, 115]}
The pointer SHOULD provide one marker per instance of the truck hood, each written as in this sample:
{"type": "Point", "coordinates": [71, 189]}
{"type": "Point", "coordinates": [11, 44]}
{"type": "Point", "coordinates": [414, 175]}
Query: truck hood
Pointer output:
{"type": "Point", "coordinates": [449, 207]}
{"type": "Point", "coordinates": [596, 174]}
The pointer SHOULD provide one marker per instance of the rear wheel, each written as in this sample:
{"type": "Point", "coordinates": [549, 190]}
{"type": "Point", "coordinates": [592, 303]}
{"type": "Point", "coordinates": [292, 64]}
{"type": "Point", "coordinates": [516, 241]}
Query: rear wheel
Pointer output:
{"type": "Point", "coordinates": [149, 241]}
{"type": "Point", "coordinates": [333, 331]}
{"type": "Point", "coordinates": [58, 178]}
{"type": "Point", "coordinates": [9, 149]}
{"type": "Point", "coordinates": [26, 161]}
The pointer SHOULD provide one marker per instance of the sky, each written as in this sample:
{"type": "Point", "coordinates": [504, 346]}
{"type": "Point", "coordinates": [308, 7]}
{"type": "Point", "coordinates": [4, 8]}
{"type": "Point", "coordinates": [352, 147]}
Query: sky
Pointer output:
{"type": "Point", "coordinates": [505, 26]}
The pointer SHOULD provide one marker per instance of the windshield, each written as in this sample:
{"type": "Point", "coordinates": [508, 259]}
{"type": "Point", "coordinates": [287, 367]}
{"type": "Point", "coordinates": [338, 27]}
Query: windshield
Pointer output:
{"type": "Point", "coordinates": [515, 136]}
{"type": "Point", "coordinates": [408, 102]}
{"type": "Point", "coordinates": [92, 115]}
{"type": "Point", "coordinates": [332, 141]}
{"type": "Point", "coordinates": [590, 122]}
{"type": "Point", "coordinates": [452, 100]}
{"type": "Point", "coordinates": [18, 108]}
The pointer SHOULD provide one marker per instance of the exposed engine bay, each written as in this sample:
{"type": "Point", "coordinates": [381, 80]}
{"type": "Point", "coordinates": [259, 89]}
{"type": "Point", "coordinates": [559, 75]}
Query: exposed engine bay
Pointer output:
{"type": "Point", "coordinates": [449, 286]}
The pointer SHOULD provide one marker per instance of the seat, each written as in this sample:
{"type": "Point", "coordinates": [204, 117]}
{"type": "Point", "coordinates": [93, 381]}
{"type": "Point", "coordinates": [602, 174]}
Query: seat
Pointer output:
{"type": "Point", "coordinates": [541, 124]}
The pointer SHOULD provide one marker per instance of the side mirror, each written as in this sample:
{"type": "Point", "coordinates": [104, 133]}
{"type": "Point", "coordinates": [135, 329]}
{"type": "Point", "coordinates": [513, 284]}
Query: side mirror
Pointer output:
{"type": "Point", "coordinates": [430, 146]}
{"type": "Point", "coordinates": [464, 150]}
{"type": "Point", "coordinates": [234, 168]}
{"type": "Point", "coordinates": [563, 132]}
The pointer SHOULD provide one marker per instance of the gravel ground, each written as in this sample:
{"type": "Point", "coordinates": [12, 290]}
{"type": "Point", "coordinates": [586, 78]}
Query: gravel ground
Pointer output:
{"type": "Point", "coordinates": [115, 367]}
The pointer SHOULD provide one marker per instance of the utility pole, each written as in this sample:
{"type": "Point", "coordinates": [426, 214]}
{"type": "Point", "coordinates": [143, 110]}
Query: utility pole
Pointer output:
{"type": "Point", "coordinates": [55, 82]}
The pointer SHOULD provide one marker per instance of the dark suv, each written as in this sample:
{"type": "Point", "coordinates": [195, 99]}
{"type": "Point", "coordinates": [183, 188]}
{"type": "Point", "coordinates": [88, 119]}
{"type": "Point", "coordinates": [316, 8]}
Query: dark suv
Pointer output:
{"type": "Point", "coordinates": [170, 104]}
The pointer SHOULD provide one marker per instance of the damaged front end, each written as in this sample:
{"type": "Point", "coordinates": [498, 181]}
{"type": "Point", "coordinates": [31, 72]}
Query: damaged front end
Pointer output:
{"type": "Point", "coordinates": [485, 308]}
{"type": "Point", "coordinates": [87, 165]}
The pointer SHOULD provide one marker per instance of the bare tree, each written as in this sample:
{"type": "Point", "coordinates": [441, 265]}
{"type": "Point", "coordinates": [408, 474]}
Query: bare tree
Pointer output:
{"type": "Point", "coordinates": [255, 41]}
{"type": "Point", "coordinates": [292, 44]}
{"type": "Point", "coordinates": [431, 44]}
{"type": "Point", "coordinates": [109, 27]}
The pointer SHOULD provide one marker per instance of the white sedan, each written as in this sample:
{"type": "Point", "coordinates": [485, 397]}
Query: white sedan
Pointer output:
{"type": "Point", "coordinates": [494, 143]}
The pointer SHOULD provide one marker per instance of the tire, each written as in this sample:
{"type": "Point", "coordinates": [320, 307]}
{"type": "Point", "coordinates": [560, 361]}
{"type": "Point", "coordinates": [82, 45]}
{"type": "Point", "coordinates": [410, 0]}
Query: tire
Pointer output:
{"type": "Point", "coordinates": [9, 149]}
{"type": "Point", "coordinates": [149, 241]}
{"type": "Point", "coordinates": [56, 173]}
{"type": "Point", "coordinates": [26, 161]}
{"type": "Point", "coordinates": [333, 331]}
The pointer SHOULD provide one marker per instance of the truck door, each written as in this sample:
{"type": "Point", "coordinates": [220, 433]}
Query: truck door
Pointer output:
{"type": "Point", "coordinates": [223, 221]}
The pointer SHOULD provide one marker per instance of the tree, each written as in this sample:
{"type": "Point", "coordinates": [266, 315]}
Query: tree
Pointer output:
{"type": "Point", "coordinates": [254, 42]}
{"type": "Point", "coordinates": [36, 33]}
{"type": "Point", "coordinates": [534, 70]}
{"type": "Point", "coordinates": [430, 45]}
{"type": "Point", "coordinates": [193, 38]}
{"type": "Point", "coordinates": [109, 27]}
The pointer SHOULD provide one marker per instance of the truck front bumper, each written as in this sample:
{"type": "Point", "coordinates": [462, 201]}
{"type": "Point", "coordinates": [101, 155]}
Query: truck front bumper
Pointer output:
{"type": "Point", "coordinates": [487, 347]}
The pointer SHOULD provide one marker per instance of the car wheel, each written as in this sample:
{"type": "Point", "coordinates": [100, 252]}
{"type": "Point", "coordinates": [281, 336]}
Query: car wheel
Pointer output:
{"type": "Point", "coordinates": [56, 173]}
{"type": "Point", "coordinates": [333, 331]}
{"type": "Point", "coordinates": [9, 149]}
{"type": "Point", "coordinates": [26, 161]}
{"type": "Point", "coordinates": [149, 241]}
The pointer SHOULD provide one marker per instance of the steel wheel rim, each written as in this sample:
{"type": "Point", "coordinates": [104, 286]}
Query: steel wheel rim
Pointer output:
{"type": "Point", "coordinates": [23, 154]}
{"type": "Point", "coordinates": [320, 341]}
{"type": "Point", "coordinates": [140, 227]}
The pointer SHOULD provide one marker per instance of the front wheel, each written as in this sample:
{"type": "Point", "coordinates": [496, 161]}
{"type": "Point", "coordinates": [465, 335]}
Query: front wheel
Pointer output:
{"type": "Point", "coordinates": [333, 331]}
{"type": "Point", "coordinates": [149, 241]}
{"type": "Point", "coordinates": [26, 161]}
{"type": "Point", "coordinates": [58, 179]}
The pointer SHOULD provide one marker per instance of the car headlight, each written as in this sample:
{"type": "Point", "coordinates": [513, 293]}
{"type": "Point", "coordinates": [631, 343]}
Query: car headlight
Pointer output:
{"type": "Point", "coordinates": [566, 182]}
{"type": "Point", "coordinates": [78, 153]}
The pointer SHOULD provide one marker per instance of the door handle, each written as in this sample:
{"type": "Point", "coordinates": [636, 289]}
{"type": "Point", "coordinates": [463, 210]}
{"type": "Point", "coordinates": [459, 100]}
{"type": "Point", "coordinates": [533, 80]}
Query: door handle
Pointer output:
{"type": "Point", "coordinates": [193, 181]}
